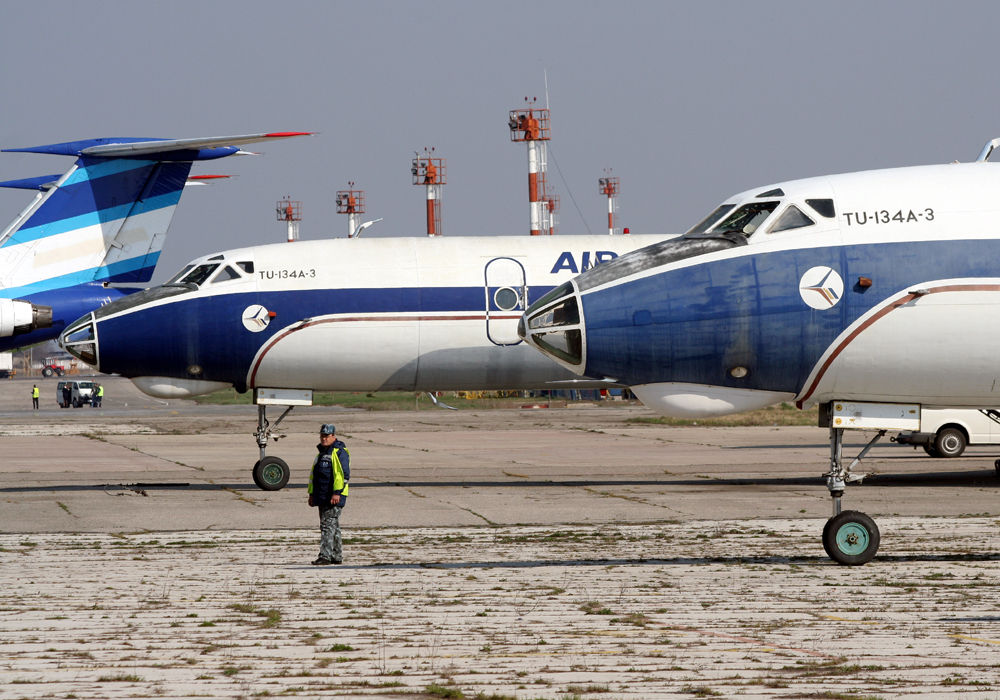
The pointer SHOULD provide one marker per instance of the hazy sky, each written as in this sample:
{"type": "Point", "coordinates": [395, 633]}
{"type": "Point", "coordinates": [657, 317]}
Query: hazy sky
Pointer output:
{"type": "Point", "coordinates": [688, 102]}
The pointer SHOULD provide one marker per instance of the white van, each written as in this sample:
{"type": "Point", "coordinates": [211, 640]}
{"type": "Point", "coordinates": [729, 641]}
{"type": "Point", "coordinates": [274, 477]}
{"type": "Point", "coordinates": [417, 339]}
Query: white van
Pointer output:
{"type": "Point", "coordinates": [945, 432]}
{"type": "Point", "coordinates": [80, 393]}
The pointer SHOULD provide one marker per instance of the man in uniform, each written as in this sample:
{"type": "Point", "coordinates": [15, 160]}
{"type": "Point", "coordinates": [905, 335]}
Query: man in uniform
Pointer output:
{"type": "Point", "coordinates": [328, 487]}
{"type": "Point", "coordinates": [34, 397]}
{"type": "Point", "coordinates": [98, 395]}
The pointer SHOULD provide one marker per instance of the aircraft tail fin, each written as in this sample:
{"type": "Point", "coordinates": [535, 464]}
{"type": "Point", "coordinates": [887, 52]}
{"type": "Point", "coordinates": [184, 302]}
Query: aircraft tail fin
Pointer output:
{"type": "Point", "coordinates": [106, 218]}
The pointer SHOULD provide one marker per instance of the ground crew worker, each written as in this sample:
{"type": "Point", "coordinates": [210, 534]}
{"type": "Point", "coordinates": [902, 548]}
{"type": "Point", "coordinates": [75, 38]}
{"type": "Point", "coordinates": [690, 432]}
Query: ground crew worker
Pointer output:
{"type": "Point", "coordinates": [331, 470]}
{"type": "Point", "coordinates": [34, 397]}
{"type": "Point", "coordinates": [98, 396]}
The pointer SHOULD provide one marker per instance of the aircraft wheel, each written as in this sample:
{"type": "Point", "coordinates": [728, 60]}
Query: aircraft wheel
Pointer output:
{"type": "Point", "coordinates": [826, 529]}
{"type": "Point", "coordinates": [931, 450]}
{"type": "Point", "coordinates": [271, 474]}
{"type": "Point", "coordinates": [851, 538]}
{"type": "Point", "coordinates": [949, 442]}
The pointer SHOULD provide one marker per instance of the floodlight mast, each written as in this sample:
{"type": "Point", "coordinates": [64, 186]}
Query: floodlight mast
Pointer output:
{"type": "Point", "coordinates": [531, 126]}
{"type": "Point", "coordinates": [610, 186]}
{"type": "Point", "coordinates": [430, 172]}
{"type": "Point", "coordinates": [290, 211]}
{"type": "Point", "coordinates": [351, 202]}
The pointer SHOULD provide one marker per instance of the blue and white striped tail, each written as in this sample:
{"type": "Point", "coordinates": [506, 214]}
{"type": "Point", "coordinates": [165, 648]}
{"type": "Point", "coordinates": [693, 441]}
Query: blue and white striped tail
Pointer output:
{"type": "Point", "coordinates": [104, 220]}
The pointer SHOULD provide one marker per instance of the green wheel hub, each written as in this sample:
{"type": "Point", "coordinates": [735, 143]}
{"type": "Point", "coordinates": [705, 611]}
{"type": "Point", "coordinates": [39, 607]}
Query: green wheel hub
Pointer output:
{"type": "Point", "coordinates": [852, 539]}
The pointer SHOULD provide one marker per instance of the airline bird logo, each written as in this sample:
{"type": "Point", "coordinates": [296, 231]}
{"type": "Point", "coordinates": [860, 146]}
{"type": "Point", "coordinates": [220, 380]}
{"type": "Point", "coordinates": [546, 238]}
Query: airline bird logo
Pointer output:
{"type": "Point", "coordinates": [256, 318]}
{"type": "Point", "coordinates": [821, 287]}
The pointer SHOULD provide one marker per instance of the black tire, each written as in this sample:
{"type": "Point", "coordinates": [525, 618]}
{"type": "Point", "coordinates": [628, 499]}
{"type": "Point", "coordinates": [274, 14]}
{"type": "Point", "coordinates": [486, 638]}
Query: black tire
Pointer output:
{"type": "Point", "coordinates": [271, 474]}
{"type": "Point", "coordinates": [851, 538]}
{"type": "Point", "coordinates": [931, 450]}
{"type": "Point", "coordinates": [950, 442]}
{"type": "Point", "coordinates": [826, 546]}
{"type": "Point", "coordinates": [47, 372]}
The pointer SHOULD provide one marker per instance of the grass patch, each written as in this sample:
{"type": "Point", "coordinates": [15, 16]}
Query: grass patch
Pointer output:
{"type": "Point", "coordinates": [781, 414]}
{"type": "Point", "coordinates": [271, 616]}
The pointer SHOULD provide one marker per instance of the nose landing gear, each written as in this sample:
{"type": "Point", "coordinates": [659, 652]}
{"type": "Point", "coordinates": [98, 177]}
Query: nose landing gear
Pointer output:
{"type": "Point", "coordinates": [269, 473]}
{"type": "Point", "coordinates": [849, 537]}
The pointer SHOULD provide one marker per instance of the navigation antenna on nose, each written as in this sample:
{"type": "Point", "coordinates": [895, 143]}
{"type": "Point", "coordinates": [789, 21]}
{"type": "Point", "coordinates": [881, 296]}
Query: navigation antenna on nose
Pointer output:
{"type": "Point", "coordinates": [984, 155]}
{"type": "Point", "coordinates": [290, 212]}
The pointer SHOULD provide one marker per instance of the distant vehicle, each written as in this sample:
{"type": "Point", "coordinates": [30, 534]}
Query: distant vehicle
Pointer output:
{"type": "Point", "coordinates": [50, 370]}
{"type": "Point", "coordinates": [946, 432]}
{"type": "Point", "coordinates": [6, 365]}
{"type": "Point", "coordinates": [81, 392]}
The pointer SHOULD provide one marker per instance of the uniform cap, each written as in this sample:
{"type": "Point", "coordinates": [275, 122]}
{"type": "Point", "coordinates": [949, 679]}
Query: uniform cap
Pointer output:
{"type": "Point", "coordinates": [327, 429]}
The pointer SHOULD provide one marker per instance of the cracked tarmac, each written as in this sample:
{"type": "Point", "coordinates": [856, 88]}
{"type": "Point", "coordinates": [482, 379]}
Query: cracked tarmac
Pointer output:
{"type": "Point", "coordinates": [511, 554]}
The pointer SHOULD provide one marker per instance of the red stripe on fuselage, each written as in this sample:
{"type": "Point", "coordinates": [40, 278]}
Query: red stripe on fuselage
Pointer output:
{"type": "Point", "coordinates": [882, 313]}
{"type": "Point", "coordinates": [344, 319]}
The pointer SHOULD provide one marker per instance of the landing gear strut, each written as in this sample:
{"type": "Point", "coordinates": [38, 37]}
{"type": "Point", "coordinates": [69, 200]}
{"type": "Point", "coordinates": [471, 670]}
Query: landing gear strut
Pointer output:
{"type": "Point", "coordinates": [849, 537]}
{"type": "Point", "coordinates": [269, 473]}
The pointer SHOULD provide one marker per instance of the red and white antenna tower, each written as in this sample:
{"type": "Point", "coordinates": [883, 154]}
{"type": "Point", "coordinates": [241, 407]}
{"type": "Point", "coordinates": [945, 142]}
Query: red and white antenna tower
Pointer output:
{"type": "Point", "coordinates": [609, 188]}
{"type": "Point", "coordinates": [290, 211]}
{"type": "Point", "coordinates": [430, 172]}
{"type": "Point", "coordinates": [352, 203]}
{"type": "Point", "coordinates": [550, 207]}
{"type": "Point", "coordinates": [531, 125]}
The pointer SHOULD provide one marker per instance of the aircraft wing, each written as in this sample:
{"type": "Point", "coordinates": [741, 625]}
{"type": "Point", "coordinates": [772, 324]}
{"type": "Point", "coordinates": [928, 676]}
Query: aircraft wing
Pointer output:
{"type": "Point", "coordinates": [135, 148]}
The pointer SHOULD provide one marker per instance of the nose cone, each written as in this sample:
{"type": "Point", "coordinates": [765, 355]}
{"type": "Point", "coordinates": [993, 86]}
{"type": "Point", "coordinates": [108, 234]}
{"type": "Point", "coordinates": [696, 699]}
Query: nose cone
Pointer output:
{"type": "Point", "coordinates": [80, 340]}
{"type": "Point", "coordinates": [554, 325]}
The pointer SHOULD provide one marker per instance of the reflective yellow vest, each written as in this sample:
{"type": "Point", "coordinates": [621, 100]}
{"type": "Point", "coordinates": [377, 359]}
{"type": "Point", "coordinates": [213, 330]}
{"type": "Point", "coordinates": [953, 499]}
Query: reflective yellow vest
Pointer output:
{"type": "Point", "coordinates": [34, 392]}
{"type": "Point", "coordinates": [339, 484]}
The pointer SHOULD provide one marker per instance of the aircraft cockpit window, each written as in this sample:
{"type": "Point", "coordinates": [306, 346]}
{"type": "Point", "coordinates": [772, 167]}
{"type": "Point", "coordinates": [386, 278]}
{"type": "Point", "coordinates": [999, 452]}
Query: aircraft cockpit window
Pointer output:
{"type": "Point", "coordinates": [198, 275]}
{"type": "Point", "coordinates": [703, 225]}
{"type": "Point", "coordinates": [225, 274]}
{"type": "Point", "coordinates": [176, 278]}
{"type": "Point", "coordinates": [747, 218]}
{"type": "Point", "coordinates": [566, 345]}
{"type": "Point", "coordinates": [823, 207]}
{"type": "Point", "coordinates": [566, 313]}
{"type": "Point", "coordinates": [247, 266]}
{"type": "Point", "coordinates": [559, 312]}
{"type": "Point", "coordinates": [791, 218]}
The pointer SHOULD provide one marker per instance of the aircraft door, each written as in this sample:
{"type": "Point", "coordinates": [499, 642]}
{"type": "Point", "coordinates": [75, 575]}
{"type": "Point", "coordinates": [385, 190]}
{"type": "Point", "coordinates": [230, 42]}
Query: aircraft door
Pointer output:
{"type": "Point", "coordinates": [506, 288]}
